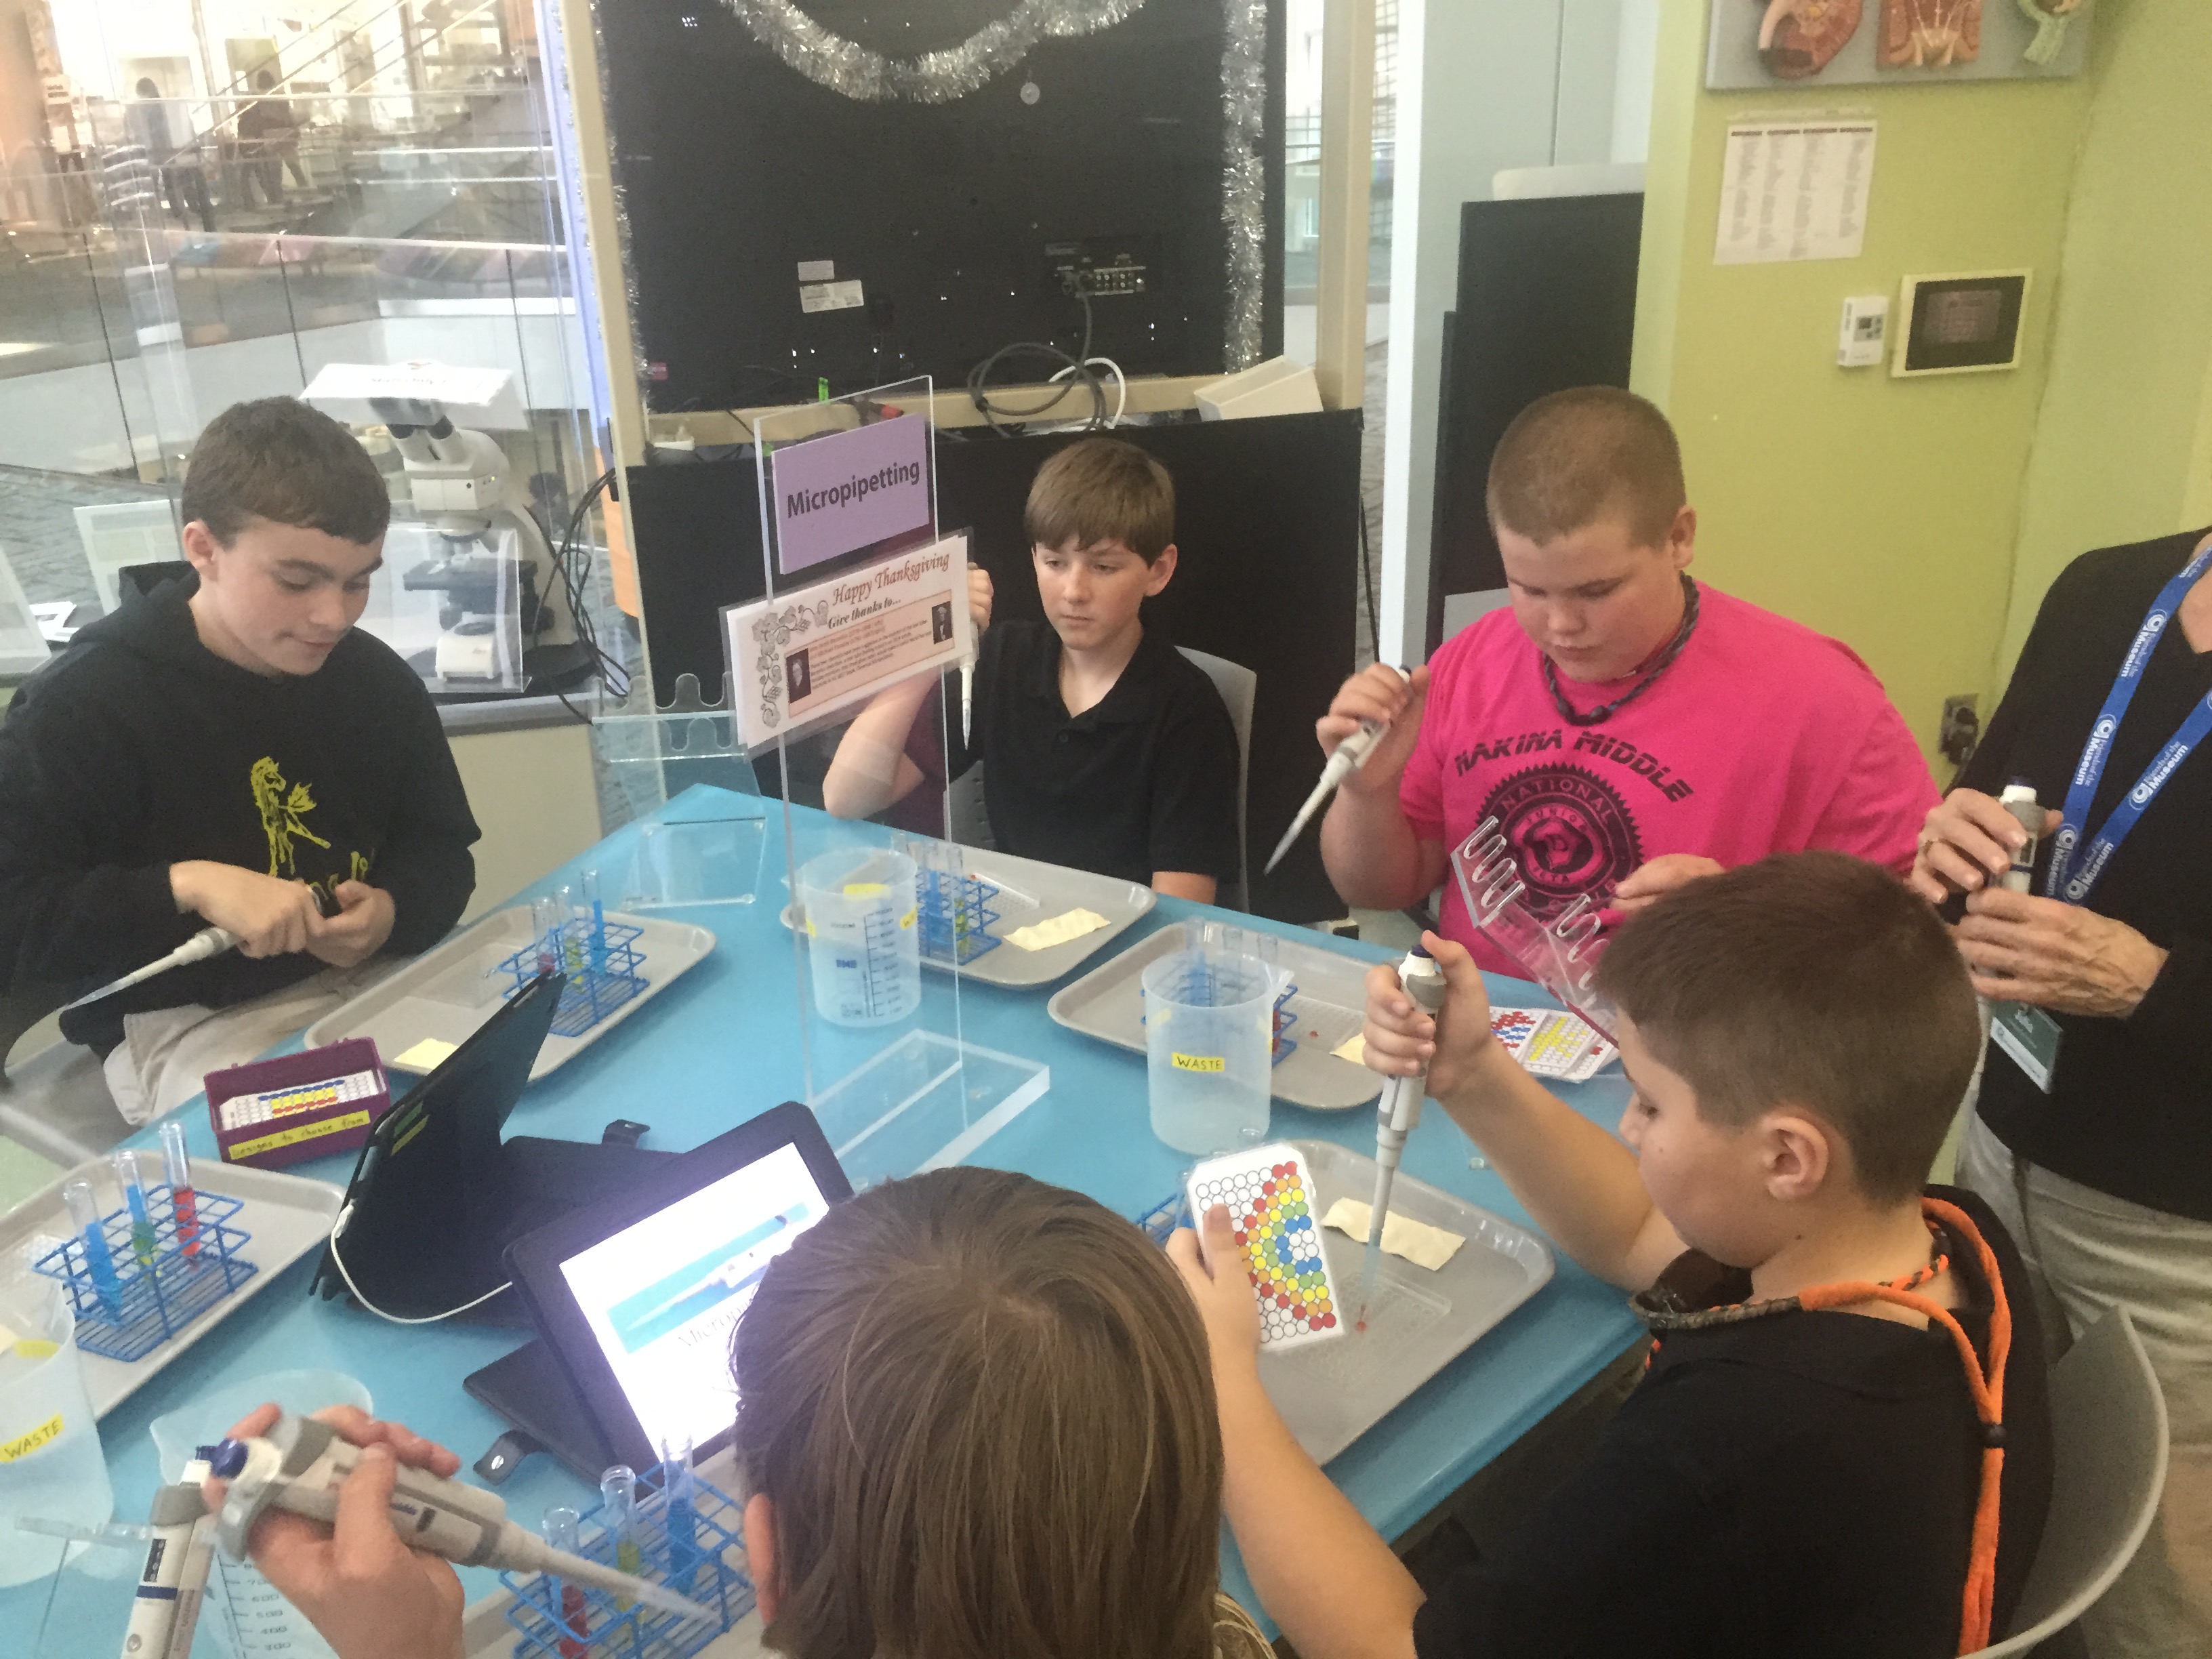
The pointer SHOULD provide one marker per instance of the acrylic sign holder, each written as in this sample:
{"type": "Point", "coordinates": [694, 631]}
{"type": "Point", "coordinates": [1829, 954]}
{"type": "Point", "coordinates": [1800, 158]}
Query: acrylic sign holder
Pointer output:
{"type": "Point", "coordinates": [1561, 955]}
{"type": "Point", "coordinates": [913, 1093]}
{"type": "Point", "coordinates": [697, 1548]}
{"type": "Point", "coordinates": [154, 1284]}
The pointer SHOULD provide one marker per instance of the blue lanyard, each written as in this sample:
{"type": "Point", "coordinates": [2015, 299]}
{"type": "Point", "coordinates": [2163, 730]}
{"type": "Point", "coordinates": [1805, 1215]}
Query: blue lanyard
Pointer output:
{"type": "Point", "coordinates": [2066, 879]}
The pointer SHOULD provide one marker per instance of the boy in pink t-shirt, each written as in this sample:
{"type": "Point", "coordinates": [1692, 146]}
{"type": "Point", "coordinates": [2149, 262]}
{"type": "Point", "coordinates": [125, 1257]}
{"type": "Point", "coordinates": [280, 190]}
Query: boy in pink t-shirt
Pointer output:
{"type": "Point", "coordinates": [1630, 729]}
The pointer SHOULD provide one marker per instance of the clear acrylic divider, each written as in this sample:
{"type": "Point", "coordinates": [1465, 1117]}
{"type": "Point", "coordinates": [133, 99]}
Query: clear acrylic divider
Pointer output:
{"type": "Point", "coordinates": [1560, 955]}
{"type": "Point", "coordinates": [888, 1072]}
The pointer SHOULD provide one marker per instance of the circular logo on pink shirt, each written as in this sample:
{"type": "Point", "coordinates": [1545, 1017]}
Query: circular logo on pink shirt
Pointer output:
{"type": "Point", "coordinates": [1569, 833]}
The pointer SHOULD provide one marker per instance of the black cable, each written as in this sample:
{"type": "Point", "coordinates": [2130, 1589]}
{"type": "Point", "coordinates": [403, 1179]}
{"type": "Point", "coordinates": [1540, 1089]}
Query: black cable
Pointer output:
{"type": "Point", "coordinates": [979, 376]}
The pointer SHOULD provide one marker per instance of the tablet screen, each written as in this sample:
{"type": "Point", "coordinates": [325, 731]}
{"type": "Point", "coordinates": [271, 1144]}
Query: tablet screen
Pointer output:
{"type": "Point", "coordinates": [663, 1296]}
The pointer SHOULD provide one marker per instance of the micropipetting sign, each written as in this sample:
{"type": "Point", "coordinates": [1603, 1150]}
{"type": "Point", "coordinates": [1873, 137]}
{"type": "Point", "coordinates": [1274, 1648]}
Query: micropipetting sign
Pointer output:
{"type": "Point", "coordinates": [846, 491]}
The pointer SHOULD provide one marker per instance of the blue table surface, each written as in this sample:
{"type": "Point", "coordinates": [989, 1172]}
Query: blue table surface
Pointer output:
{"type": "Point", "coordinates": [721, 1044]}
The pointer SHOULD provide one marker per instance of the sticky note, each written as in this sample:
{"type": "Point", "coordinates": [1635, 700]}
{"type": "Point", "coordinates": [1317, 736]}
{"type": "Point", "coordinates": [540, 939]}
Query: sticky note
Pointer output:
{"type": "Point", "coordinates": [1419, 1242]}
{"type": "Point", "coordinates": [427, 1055]}
{"type": "Point", "coordinates": [1353, 1048]}
{"type": "Point", "coordinates": [1056, 930]}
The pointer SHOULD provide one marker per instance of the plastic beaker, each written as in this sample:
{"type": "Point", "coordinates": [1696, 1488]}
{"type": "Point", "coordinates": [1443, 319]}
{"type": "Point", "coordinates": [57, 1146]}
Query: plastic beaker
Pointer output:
{"type": "Point", "coordinates": [51, 1462]}
{"type": "Point", "coordinates": [1209, 1041]}
{"type": "Point", "coordinates": [252, 1620]}
{"type": "Point", "coordinates": [857, 907]}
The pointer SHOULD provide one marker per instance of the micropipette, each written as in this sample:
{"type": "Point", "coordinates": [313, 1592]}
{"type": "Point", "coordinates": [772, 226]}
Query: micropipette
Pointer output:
{"type": "Point", "coordinates": [208, 942]}
{"type": "Point", "coordinates": [2019, 799]}
{"type": "Point", "coordinates": [174, 1581]}
{"type": "Point", "coordinates": [1349, 756]}
{"type": "Point", "coordinates": [301, 1464]}
{"type": "Point", "coordinates": [1395, 1115]}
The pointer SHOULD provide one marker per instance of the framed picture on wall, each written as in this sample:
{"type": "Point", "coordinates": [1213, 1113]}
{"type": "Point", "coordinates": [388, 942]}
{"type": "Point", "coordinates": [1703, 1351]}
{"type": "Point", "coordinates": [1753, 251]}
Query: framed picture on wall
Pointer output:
{"type": "Point", "coordinates": [1772, 42]}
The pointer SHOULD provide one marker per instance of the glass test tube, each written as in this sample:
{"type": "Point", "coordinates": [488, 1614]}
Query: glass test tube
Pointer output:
{"type": "Point", "coordinates": [593, 914]}
{"type": "Point", "coordinates": [545, 920]}
{"type": "Point", "coordinates": [618, 1494]}
{"type": "Point", "coordinates": [124, 1163]}
{"type": "Point", "coordinates": [177, 1170]}
{"type": "Point", "coordinates": [560, 1523]}
{"type": "Point", "coordinates": [572, 931]}
{"type": "Point", "coordinates": [680, 1486]}
{"type": "Point", "coordinates": [84, 1215]}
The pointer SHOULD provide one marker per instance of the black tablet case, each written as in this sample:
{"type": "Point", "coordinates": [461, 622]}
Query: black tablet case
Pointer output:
{"type": "Point", "coordinates": [436, 1196]}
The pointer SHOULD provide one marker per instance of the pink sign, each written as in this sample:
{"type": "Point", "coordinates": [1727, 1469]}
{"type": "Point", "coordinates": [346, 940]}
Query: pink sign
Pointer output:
{"type": "Point", "coordinates": [836, 494]}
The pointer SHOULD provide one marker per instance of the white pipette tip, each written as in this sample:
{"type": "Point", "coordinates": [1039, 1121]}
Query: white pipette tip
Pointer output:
{"type": "Point", "coordinates": [580, 1570]}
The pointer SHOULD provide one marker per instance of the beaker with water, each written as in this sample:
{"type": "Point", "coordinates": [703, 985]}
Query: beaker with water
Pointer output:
{"type": "Point", "coordinates": [1209, 1041]}
{"type": "Point", "coordinates": [252, 1620]}
{"type": "Point", "coordinates": [864, 942]}
{"type": "Point", "coordinates": [50, 1463]}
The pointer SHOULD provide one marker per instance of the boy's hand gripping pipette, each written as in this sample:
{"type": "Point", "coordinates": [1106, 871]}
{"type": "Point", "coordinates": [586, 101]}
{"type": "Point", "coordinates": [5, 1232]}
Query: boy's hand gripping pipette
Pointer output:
{"type": "Point", "coordinates": [302, 1463]}
{"type": "Point", "coordinates": [1396, 1113]}
{"type": "Point", "coordinates": [1346, 758]}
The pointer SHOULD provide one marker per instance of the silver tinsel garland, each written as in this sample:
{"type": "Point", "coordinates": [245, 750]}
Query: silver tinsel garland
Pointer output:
{"type": "Point", "coordinates": [938, 77]}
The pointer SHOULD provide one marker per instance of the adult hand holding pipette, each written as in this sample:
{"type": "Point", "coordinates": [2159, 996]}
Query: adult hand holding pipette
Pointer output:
{"type": "Point", "coordinates": [369, 1596]}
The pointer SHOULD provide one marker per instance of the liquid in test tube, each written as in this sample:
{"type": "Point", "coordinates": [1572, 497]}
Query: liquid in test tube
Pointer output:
{"type": "Point", "coordinates": [124, 1163]}
{"type": "Point", "coordinates": [618, 1495]}
{"type": "Point", "coordinates": [594, 914]}
{"type": "Point", "coordinates": [84, 1216]}
{"type": "Point", "coordinates": [545, 920]}
{"type": "Point", "coordinates": [681, 1488]}
{"type": "Point", "coordinates": [184, 1202]}
{"type": "Point", "coordinates": [575, 1608]}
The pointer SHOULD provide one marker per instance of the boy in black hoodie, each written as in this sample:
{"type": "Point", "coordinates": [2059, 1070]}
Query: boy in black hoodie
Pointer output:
{"type": "Point", "coordinates": [231, 751]}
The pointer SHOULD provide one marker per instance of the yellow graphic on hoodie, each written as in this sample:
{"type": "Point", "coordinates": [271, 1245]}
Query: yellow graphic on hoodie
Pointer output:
{"type": "Point", "coordinates": [282, 815]}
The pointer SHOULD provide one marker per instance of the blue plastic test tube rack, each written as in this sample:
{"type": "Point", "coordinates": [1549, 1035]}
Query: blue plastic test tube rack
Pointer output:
{"type": "Point", "coordinates": [956, 914]}
{"type": "Point", "coordinates": [150, 1301]}
{"type": "Point", "coordinates": [600, 962]}
{"type": "Point", "coordinates": [698, 1566]}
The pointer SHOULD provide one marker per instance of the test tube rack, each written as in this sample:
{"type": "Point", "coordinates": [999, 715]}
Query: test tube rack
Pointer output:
{"type": "Point", "coordinates": [956, 916]}
{"type": "Point", "coordinates": [181, 1273]}
{"type": "Point", "coordinates": [599, 960]}
{"type": "Point", "coordinates": [554, 1619]}
{"type": "Point", "coordinates": [1200, 979]}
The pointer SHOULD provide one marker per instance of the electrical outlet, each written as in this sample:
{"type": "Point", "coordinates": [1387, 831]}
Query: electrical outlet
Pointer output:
{"type": "Point", "coordinates": [1961, 728]}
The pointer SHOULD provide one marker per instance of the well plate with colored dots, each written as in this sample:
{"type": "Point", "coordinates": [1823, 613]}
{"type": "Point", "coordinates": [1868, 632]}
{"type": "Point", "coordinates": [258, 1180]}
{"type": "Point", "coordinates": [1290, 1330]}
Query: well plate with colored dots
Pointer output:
{"type": "Point", "coordinates": [1270, 1200]}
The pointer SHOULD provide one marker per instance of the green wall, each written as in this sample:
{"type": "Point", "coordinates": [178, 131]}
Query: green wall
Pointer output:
{"type": "Point", "coordinates": [1884, 511]}
{"type": "Point", "coordinates": [2122, 450]}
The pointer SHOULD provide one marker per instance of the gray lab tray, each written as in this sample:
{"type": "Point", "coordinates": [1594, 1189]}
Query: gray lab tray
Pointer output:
{"type": "Point", "coordinates": [284, 1217]}
{"type": "Point", "coordinates": [1032, 891]}
{"type": "Point", "coordinates": [1332, 1393]}
{"type": "Point", "coordinates": [448, 992]}
{"type": "Point", "coordinates": [1108, 1003]}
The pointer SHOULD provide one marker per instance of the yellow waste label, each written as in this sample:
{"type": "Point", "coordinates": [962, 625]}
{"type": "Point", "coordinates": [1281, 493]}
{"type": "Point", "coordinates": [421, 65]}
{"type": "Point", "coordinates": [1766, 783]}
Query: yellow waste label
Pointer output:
{"type": "Point", "coordinates": [329, 1126]}
{"type": "Point", "coordinates": [1199, 1062]}
{"type": "Point", "coordinates": [865, 889]}
{"type": "Point", "coordinates": [23, 1445]}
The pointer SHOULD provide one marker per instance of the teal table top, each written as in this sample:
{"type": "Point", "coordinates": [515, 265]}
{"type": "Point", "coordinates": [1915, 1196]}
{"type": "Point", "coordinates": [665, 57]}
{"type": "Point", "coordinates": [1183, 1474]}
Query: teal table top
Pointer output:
{"type": "Point", "coordinates": [723, 1044]}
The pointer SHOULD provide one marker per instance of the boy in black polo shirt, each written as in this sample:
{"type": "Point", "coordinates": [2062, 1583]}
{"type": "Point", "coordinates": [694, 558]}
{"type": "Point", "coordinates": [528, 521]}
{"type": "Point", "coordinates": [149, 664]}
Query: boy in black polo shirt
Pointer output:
{"type": "Point", "coordinates": [231, 751]}
{"type": "Point", "coordinates": [1103, 747]}
{"type": "Point", "coordinates": [1847, 1368]}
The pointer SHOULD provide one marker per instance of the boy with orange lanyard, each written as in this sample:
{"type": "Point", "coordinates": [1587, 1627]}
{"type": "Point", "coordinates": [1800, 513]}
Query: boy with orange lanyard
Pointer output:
{"type": "Point", "coordinates": [1841, 1444]}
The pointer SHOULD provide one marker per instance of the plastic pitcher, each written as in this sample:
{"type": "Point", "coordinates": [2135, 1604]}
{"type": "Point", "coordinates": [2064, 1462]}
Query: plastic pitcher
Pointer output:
{"type": "Point", "coordinates": [50, 1463]}
{"type": "Point", "coordinates": [863, 940]}
{"type": "Point", "coordinates": [251, 1619]}
{"type": "Point", "coordinates": [1209, 1041]}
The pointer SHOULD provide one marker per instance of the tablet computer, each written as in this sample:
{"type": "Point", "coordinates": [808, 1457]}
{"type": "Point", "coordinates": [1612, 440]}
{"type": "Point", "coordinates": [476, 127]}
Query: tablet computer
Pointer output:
{"type": "Point", "coordinates": [637, 1297]}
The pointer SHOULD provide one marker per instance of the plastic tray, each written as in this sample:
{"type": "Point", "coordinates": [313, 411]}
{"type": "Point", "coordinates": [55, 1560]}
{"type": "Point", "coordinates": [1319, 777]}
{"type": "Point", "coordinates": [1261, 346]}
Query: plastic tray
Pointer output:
{"type": "Point", "coordinates": [1032, 891]}
{"type": "Point", "coordinates": [1332, 1393]}
{"type": "Point", "coordinates": [1329, 1006]}
{"type": "Point", "coordinates": [448, 992]}
{"type": "Point", "coordinates": [287, 1215]}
